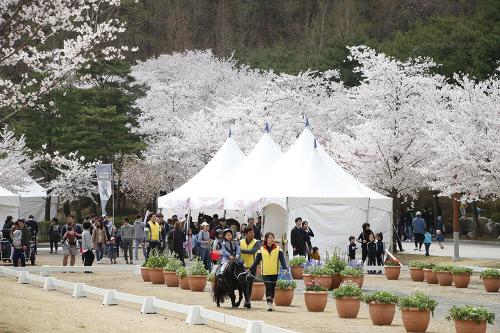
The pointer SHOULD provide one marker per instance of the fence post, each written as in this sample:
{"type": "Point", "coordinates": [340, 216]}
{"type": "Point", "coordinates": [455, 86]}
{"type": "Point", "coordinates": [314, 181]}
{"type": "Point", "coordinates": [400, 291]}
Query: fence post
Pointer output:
{"type": "Point", "coordinates": [147, 305]}
{"type": "Point", "coordinates": [254, 326]}
{"type": "Point", "coordinates": [23, 277]}
{"type": "Point", "coordinates": [49, 284]}
{"type": "Point", "coordinates": [194, 317]}
{"type": "Point", "coordinates": [109, 298]}
{"type": "Point", "coordinates": [78, 290]}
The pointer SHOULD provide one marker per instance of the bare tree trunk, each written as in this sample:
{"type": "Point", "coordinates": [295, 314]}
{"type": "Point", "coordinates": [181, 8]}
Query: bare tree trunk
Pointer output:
{"type": "Point", "coordinates": [396, 204]}
{"type": "Point", "coordinates": [47, 206]}
{"type": "Point", "coordinates": [475, 217]}
{"type": "Point", "coordinates": [66, 208]}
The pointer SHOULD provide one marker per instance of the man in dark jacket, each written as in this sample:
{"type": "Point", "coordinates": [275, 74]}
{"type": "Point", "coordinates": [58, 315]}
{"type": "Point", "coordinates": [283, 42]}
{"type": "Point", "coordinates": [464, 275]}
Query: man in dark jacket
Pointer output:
{"type": "Point", "coordinates": [33, 225]}
{"type": "Point", "coordinates": [21, 237]}
{"type": "Point", "coordinates": [298, 238]}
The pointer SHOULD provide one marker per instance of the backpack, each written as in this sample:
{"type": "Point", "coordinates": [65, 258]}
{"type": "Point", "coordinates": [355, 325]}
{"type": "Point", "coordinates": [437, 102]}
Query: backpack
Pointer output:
{"type": "Point", "coordinates": [196, 241]}
{"type": "Point", "coordinates": [17, 239]}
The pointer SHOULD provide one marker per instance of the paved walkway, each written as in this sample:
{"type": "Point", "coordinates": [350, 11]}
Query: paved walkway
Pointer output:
{"type": "Point", "coordinates": [473, 251]}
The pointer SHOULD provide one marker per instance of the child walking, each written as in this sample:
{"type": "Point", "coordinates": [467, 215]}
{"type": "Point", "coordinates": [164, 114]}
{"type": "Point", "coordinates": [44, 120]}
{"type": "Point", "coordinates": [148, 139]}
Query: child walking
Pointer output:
{"type": "Point", "coordinates": [440, 238]}
{"type": "Point", "coordinates": [351, 249]}
{"type": "Point", "coordinates": [372, 252]}
{"type": "Point", "coordinates": [188, 244]}
{"type": "Point", "coordinates": [427, 241]}
{"type": "Point", "coordinates": [112, 250]}
{"type": "Point", "coordinates": [380, 250]}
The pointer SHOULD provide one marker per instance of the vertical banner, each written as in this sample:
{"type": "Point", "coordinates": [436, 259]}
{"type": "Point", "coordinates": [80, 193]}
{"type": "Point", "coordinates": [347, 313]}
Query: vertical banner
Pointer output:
{"type": "Point", "coordinates": [104, 182]}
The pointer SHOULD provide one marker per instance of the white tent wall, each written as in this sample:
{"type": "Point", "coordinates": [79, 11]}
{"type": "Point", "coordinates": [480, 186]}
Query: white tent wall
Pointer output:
{"type": "Point", "coordinates": [8, 211]}
{"type": "Point", "coordinates": [33, 206]}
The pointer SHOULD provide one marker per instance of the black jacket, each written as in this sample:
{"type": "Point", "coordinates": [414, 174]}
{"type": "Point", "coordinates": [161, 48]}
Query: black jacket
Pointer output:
{"type": "Point", "coordinates": [372, 249]}
{"type": "Point", "coordinates": [309, 234]}
{"type": "Point", "coordinates": [33, 226]}
{"type": "Point", "coordinates": [380, 248]}
{"type": "Point", "coordinates": [178, 238]}
{"type": "Point", "coordinates": [298, 238]}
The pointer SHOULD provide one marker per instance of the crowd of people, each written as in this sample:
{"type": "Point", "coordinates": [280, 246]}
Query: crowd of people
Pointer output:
{"type": "Point", "coordinates": [20, 235]}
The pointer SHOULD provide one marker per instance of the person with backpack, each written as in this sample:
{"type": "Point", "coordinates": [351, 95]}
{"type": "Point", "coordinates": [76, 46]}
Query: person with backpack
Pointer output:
{"type": "Point", "coordinates": [69, 240]}
{"type": "Point", "coordinates": [21, 236]}
{"type": "Point", "coordinates": [54, 235]}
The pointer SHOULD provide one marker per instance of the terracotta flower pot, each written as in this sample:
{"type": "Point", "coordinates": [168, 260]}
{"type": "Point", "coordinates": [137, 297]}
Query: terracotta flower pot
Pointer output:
{"type": "Point", "coordinates": [415, 320]}
{"type": "Point", "coordinates": [382, 314]}
{"type": "Point", "coordinates": [171, 279]}
{"type": "Point", "coordinates": [461, 280]}
{"type": "Point", "coordinates": [358, 280]}
{"type": "Point", "coordinates": [392, 272]}
{"type": "Point", "coordinates": [417, 274]}
{"type": "Point", "coordinates": [469, 326]}
{"type": "Point", "coordinates": [145, 274]}
{"type": "Point", "coordinates": [445, 278]}
{"type": "Point", "coordinates": [336, 280]}
{"type": "Point", "coordinates": [323, 280]}
{"type": "Point", "coordinates": [316, 300]}
{"type": "Point", "coordinates": [258, 291]}
{"type": "Point", "coordinates": [156, 275]}
{"type": "Point", "coordinates": [491, 285]}
{"type": "Point", "coordinates": [297, 272]}
{"type": "Point", "coordinates": [348, 307]}
{"type": "Point", "coordinates": [184, 283]}
{"type": "Point", "coordinates": [430, 276]}
{"type": "Point", "coordinates": [283, 297]}
{"type": "Point", "coordinates": [197, 282]}
{"type": "Point", "coordinates": [308, 279]}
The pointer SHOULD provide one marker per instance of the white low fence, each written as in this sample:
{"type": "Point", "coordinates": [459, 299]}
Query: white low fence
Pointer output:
{"type": "Point", "coordinates": [195, 314]}
{"type": "Point", "coordinates": [45, 270]}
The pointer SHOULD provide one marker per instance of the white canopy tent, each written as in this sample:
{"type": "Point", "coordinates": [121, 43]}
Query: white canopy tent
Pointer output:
{"type": "Point", "coordinates": [198, 192]}
{"type": "Point", "coordinates": [33, 199]}
{"type": "Point", "coordinates": [9, 205]}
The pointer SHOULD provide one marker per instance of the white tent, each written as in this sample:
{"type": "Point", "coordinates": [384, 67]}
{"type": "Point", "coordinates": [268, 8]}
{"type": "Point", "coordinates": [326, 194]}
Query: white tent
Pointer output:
{"type": "Point", "coordinates": [9, 205]}
{"type": "Point", "coordinates": [307, 182]}
{"type": "Point", "coordinates": [249, 175]}
{"type": "Point", "coordinates": [33, 200]}
{"type": "Point", "coordinates": [198, 192]}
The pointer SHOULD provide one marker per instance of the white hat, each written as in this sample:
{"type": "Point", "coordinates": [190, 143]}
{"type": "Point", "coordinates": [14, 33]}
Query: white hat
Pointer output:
{"type": "Point", "coordinates": [204, 224]}
{"type": "Point", "coordinates": [418, 213]}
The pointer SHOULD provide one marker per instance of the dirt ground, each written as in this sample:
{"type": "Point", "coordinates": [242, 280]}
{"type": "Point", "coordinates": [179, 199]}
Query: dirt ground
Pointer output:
{"type": "Point", "coordinates": [36, 304]}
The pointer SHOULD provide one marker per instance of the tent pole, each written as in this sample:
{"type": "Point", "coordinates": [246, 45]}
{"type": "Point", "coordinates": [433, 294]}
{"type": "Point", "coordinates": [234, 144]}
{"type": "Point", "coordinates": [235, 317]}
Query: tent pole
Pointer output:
{"type": "Point", "coordinates": [287, 253]}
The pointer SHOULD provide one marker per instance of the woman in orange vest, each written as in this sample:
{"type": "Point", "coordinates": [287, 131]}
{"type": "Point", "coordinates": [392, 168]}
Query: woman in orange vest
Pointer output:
{"type": "Point", "coordinates": [271, 256]}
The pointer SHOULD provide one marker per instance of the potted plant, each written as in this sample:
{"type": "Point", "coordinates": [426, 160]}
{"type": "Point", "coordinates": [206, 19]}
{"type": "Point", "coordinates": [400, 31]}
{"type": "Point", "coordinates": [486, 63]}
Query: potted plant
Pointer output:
{"type": "Point", "coordinates": [258, 289]}
{"type": "Point", "coordinates": [197, 276]}
{"type": "Point", "coordinates": [335, 265]}
{"type": "Point", "coordinates": [444, 275]}
{"type": "Point", "coordinates": [156, 261]}
{"type": "Point", "coordinates": [182, 276]}
{"type": "Point", "coordinates": [491, 280]}
{"type": "Point", "coordinates": [353, 274]}
{"type": "Point", "coordinates": [348, 299]}
{"type": "Point", "coordinates": [382, 307]}
{"type": "Point", "coordinates": [145, 272]}
{"type": "Point", "coordinates": [170, 272]}
{"type": "Point", "coordinates": [470, 319]}
{"type": "Point", "coordinates": [297, 266]}
{"type": "Point", "coordinates": [311, 268]}
{"type": "Point", "coordinates": [416, 309]}
{"type": "Point", "coordinates": [392, 269]}
{"type": "Point", "coordinates": [461, 276]}
{"type": "Point", "coordinates": [315, 297]}
{"type": "Point", "coordinates": [284, 292]}
{"type": "Point", "coordinates": [429, 275]}
{"type": "Point", "coordinates": [417, 271]}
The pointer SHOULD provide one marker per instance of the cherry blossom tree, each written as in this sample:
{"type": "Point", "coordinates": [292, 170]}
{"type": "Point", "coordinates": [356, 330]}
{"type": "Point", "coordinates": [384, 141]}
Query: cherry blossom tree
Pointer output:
{"type": "Point", "coordinates": [15, 161]}
{"type": "Point", "coordinates": [386, 144]}
{"type": "Point", "coordinates": [43, 43]}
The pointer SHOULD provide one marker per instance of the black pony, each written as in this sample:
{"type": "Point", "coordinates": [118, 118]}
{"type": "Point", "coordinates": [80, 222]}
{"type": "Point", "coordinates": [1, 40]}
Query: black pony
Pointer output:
{"type": "Point", "coordinates": [234, 278]}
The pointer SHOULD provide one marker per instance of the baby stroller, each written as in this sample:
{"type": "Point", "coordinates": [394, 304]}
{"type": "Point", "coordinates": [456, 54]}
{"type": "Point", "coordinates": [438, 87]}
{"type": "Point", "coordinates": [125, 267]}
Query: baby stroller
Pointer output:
{"type": "Point", "coordinates": [5, 250]}
{"type": "Point", "coordinates": [30, 253]}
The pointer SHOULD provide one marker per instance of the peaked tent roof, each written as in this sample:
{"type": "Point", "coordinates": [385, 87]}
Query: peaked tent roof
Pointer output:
{"type": "Point", "coordinates": [195, 192]}
{"type": "Point", "coordinates": [7, 198]}
{"type": "Point", "coordinates": [32, 189]}
{"type": "Point", "coordinates": [249, 173]}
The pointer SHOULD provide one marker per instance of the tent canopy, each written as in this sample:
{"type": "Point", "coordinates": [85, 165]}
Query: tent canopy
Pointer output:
{"type": "Point", "coordinates": [197, 193]}
{"type": "Point", "coordinates": [9, 205]}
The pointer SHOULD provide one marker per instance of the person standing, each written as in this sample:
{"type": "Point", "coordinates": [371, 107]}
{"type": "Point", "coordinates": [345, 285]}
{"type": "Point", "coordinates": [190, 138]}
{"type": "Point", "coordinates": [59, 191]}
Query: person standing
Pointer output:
{"type": "Point", "coordinates": [87, 246]}
{"type": "Point", "coordinates": [409, 224]}
{"type": "Point", "coordinates": [69, 240]}
{"type": "Point", "coordinates": [419, 227]}
{"type": "Point", "coordinates": [249, 246]}
{"type": "Point", "coordinates": [427, 241]}
{"type": "Point", "coordinates": [298, 238]}
{"type": "Point", "coordinates": [364, 238]}
{"type": "Point", "coordinates": [139, 237]}
{"type": "Point", "coordinates": [309, 234]}
{"type": "Point", "coordinates": [371, 248]}
{"type": "Point", "coordinates": [54, 235]}
{"type": "Point", "coordinates": [178, 238]}
{"type": "Point", "coordinates": [153, 231]}
{"type": "Point", "coordinates": [205, 241]}
{"type": "Point", "coordinates": [256, 230]}
{"type": "Point", "coordinates": [21, 236]}
{"type": "Point", "coordinates": [271, 257]}
{"type": "Point", "coordinates": [127, 235]}
{"type": "Point", "coordinates": [99, 239]}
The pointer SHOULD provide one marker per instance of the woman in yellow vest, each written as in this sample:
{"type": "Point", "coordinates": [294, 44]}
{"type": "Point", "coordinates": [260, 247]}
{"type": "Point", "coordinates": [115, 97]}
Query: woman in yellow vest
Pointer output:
{"type": "Point", "coordinates": [271, 256]}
